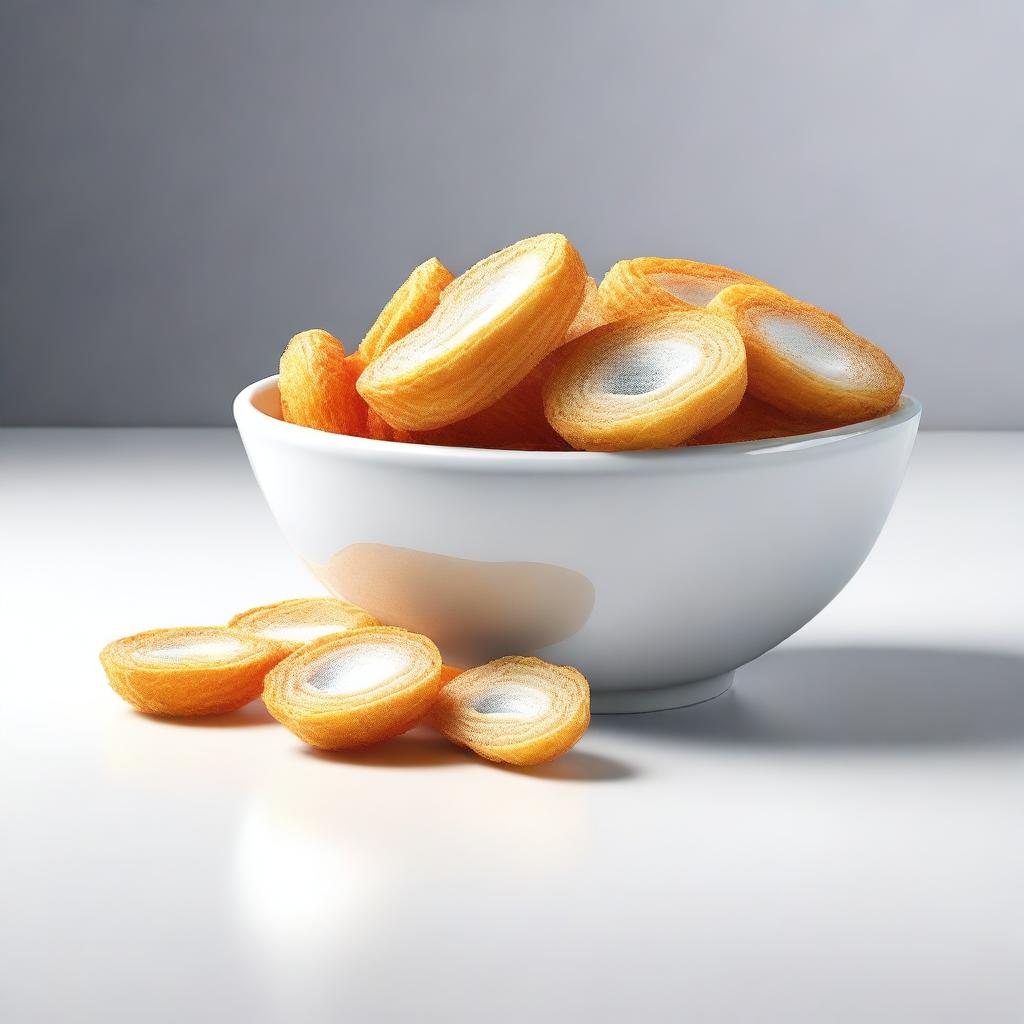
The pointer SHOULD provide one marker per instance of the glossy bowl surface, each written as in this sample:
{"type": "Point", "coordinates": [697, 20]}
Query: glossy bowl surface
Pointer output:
{"type": "Point", "coordinates": [657, 574]}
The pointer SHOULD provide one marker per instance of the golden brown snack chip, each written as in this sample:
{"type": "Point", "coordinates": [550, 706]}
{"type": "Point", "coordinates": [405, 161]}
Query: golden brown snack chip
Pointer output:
{"type": "Point", "coordinates": [492, 326]}
{"type": "Point", "coordinates": [317, 385]}
{"type": "Point", "coordinates": [591, 312]}
{"type": "Point", "coordinates": [450, 672]}
{"type": "Point", "coordinates": [409, 307]}
{"type": "Point", "coordinates": [805, 361]}
{"type": "Point", "coordinates": [380, 430]}
{"type": "Point", "coordinates": [651, 381]}
{"type": "Point", "coordinates": [302, 620]}
{"type": "Point", "coordinates": [355, 689]}
{"type": "Point", "coordinates": [520, 711]}
{"type": "Point", "coordinates": [516, 420]}
{"type": "Point", "coordinates": [754, 420]}
{"type": "Point", "coordinates": [633, 287]}
{"type": "Point", "coordinates": [190, 670]}
{"type": "Point", "coordinates": [374, 426]}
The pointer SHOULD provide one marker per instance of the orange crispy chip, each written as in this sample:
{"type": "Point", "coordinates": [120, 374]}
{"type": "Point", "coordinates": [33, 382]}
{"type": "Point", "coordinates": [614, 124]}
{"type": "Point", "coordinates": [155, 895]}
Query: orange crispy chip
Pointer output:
{"type": "Point", "coordinates": [318, 385]}
{"type": "Point", "coordinates": [805, 361]}
{"type": "Point", "coordinates": [517, 420]}
{"type": "Point", "coordinates": [409, 307]}
{"type": "Point", "coordinates": [190, 670]}
{"type": "Point", "coordinates": [520, 711]}
{"type": "Point", "coordinates": [754, 420]}
{"type": "Point", "coordinates": [355, 689]}
{"type": "Point", "coordinates": [633, 287]}
{"type": "Point", "coordinates": [302, 620]}
{"type": "Point", "coordinates": [652, 381]}
{"type": "Point", "coordinates": [450, 672]}
{"type": "Point", "coordinates": [491, 327]}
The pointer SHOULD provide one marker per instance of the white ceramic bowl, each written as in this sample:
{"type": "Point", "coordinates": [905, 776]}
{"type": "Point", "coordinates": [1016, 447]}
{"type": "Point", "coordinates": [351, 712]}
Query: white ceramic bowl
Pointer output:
{"type": "Point", "coordinates": [657, 574]}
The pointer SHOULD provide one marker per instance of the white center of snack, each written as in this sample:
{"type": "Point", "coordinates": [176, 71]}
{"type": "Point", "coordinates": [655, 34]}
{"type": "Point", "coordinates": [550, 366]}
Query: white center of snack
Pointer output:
{"type": "Point", "coordinates": [641, 369]}
{"type": "Point", "coordinates": [698, 291]}
{"type": "Point", "coordinates": [300, 632]}
{"type": "Point", "coordinates": [198, 650]}
{"type": "Point", "coordinates": [808, 348]}
{"type": "Point", "coordinates": [357, 668]}
{"type": "Point", "coordinates": [478, 308]}
{"type": "Point", "coordinates": [522, 701]}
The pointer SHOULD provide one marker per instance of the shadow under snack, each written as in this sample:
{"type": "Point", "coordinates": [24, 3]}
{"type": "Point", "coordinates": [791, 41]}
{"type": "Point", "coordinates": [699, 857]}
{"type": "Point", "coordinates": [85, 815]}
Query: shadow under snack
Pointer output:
{"type": "Point", "coordinates": [855, 698]}
{"type": "Point", "coordinates": [474, 611]}
{"type": "Point", "coordinates": [423, 748]}
{"type": "Point", "coordinates": [419, 748]}
{"type": "Point", "coordinates": [251, 714]}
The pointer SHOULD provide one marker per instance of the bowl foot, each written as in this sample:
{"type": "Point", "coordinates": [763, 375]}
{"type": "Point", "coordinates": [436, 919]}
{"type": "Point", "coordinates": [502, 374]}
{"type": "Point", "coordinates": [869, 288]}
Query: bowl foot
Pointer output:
{"type": "Point", "coordinates": [660, 698]}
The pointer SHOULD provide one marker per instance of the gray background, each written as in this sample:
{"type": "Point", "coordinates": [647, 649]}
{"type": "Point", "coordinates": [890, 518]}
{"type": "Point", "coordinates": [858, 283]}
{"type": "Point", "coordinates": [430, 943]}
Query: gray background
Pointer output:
{"type": "Point", "coordinates": [185, 185]}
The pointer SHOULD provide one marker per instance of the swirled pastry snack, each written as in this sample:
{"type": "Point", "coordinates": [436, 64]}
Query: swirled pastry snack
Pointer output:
{"type": "Point", "coordinates": [651, 381]}
{"type": "Point", "coordinates": [521, 711]}
{"type": "Point", "coordinates": [318, 385]}
{"type": "Point", "coordinates": [755, 420]}
{"type": "Point", "coordinates": [355, 689]}
{"type": "Point", "coordinates": [805, 361]}
{"type": "Point", "coordinates": [650, 283]}
{"type": "Point", "coordinates": [590, 314]}
{"type": "Point", "coordinates": [302, 620]}
{"type": "Point", "coordinates": [491, 326]}
{"type": "Point", "coordinates": [516, 421]}
{"type": "Point", "coordinates": [190, 670]}
{"type": "Point", "coordinates": [409, 307]}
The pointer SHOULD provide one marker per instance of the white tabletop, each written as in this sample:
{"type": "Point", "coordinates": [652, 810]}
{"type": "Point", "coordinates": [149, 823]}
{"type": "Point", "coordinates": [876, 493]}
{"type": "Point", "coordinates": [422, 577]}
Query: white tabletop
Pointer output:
{"type": "Point", "coordinates": [838, 839]}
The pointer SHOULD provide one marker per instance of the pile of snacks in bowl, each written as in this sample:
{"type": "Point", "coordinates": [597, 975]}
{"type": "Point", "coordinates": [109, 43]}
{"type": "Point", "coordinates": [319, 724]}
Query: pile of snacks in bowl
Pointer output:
{"type": "Point", "coordinates": [525, 351]}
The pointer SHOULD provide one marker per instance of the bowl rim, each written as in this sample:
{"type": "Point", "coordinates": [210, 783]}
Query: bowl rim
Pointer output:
{"type": "Point", "coordinates": [248, 416]}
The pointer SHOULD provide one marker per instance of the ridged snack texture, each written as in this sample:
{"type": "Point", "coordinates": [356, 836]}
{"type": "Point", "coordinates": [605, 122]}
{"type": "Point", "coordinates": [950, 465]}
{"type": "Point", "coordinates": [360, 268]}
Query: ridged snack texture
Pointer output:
{"type": "Point", "coordinates": [301, 620]}
{"type": "Point", "coordinates": [650, 283]}
{"type": "Point", "coordinates": [374, 425]}
{"type": "Point", "coordinates": [755, 420]}
{"type": "Point", "coordinates": [190, 670]}
{"type": "Point", "coordinates": [450, 672]}
{"type": "Point", "coordinates": [317, 385]}
{"type": "Point", "coordinates": [516, 421]}
{"type": "Point", "coordinates": [516, 710]}
{"type": "Point", "coordinates": [491, 327]}
{"type": "Point", "coordinates": [408, 308]}
{"type": "Point", "coordinates": [356, 689]}
{"type": "Point", "coordinates": [651, 381]}
{"type": "Point", "coordinates": [806, 361]}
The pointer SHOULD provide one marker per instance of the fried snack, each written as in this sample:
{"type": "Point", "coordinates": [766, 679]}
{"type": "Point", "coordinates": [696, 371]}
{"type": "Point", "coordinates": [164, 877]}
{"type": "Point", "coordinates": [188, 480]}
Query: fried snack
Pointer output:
{"type": "Point", "coordinates": [302, 620]}
{"type": "Point", "coordinates": [450, 672]}
{"type": "Point", "coordinates": [318, 385]}
{"type": "Point", "coordinates": [652, 381]}
{"type": "Point", "coordinates": [380, 430]}
{"type": "Point", "coordinates": [492, 326]}
{"type": "Point", "coordinates": [805, 361]}
{"type": "Point", "coordinates": [591, 312]}
{"type": "Point", "coordinates": [649, 283]}
{"type": "Point", "coordinates": [520, 711]}
{"type": "Point", "coordinates": [374, 426]}
{"type": "Point", "coordinates": [409, 307]}
{"type": "Point", "coordinates": [192, 670]}
{"type": "Point", "coordinates": [516, 421]}
{"type": "Point", "coordinates": [355, 689]}
{"type": "Point", "coordinates": [754, 420]}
